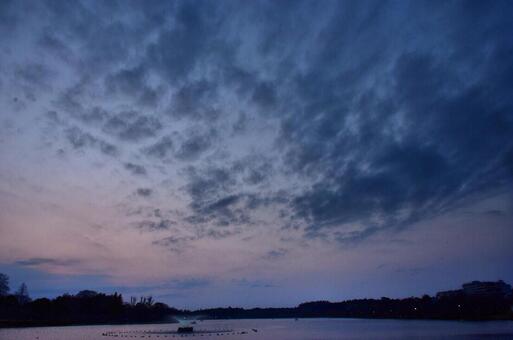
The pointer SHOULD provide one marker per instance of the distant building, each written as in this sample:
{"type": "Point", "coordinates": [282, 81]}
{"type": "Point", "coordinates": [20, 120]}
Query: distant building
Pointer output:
{"type": "Point", "coordinates": [478, 289]}
{"type": "Point", "coordinates": [449, 294]}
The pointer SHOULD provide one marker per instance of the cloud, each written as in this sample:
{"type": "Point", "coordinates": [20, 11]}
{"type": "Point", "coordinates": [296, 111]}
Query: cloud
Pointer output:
{"type": "Point", "coordinates": [190, 283]}
{"type": "Point", "coordinates": [265, 95]}
{"type": "Point", "coordinates": [95, 115]}
{"type": "Point", "coordinates": [194, 145]}
{"type": "Point", "coordinates": [219, 205]}
{"type": "Point", "coordinates": [144, 192]}
{"type": "Point", "coordinates": [344, 123]}
{"type": "Point", "coordinates": [275, 254]}
{"type": "Point", "coordinates": [194, 32]}
{"type": "Point", "coordinates": [162, 224]}
{"type": "Point", "coordinates": [176, 244]}
{"type": "Point", "coordinates": [255, 169]}
{"type": "Point", "coordinates": [194, 101]}
{"type": "Point", "coordinates": [161, 148]}
{"type": "Point", "coordinates": [131, 126]}
{"type": "Point", "coordinates": [228, 210]}
{"type": "Point", "coordinates": [135, 169]}
{"type": "Point", "coordinates": [180, 284]}
{"type": "Point", "coordinates": [173, 240]}
{"type": "Point", "coordinates": [495, 213]}
{"type": "Point", "coordinates": [253, 283]}
{"type": "Point", "coordinates": [206, 183]}
{"type": "Point", "coordinates": [8, 16]}
{"type": "Point", "coordinates": [417, 149]}
{"type": "Point", "coordinates": [34, 75]}
{"type": "Point", "coordinates": [81, 140]}
{"type": "Point", "coordinates": [132, 83]}
{"type": "Point", "coordinates": [41, 261]}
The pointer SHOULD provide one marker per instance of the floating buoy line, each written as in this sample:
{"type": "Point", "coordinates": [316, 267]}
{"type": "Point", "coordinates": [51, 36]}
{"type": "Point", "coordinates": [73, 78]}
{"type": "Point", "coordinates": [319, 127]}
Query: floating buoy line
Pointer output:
{"type": "Point", "coordinates": [172, 334]}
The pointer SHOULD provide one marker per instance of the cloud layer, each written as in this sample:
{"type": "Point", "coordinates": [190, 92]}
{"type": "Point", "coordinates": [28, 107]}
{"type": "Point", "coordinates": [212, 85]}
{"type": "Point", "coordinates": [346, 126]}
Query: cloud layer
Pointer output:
{"type": "Point", "coordinates": [275, 125]}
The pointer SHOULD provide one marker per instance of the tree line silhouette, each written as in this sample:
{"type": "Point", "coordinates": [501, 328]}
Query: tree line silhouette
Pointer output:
{"type": "Point", "coordinates": [86, 307]}
{"type": "Point", "coordinates": [426, 307]}
{"type": "Point", "coordinates": [90, 307]}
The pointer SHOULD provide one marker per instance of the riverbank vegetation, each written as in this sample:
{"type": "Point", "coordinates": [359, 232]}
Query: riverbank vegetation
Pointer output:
{"type": "Point", "coordinates": [90, 307]}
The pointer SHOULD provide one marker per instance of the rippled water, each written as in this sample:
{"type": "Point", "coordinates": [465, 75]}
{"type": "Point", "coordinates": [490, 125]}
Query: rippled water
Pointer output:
{"type": "Point", "coordinates": [280, 329]}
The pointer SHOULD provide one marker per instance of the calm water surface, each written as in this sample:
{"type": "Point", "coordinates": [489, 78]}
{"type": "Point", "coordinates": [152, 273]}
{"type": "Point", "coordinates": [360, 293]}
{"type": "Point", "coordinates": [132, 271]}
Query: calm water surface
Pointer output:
{"type": "Point", "coordinates": [282, 329]}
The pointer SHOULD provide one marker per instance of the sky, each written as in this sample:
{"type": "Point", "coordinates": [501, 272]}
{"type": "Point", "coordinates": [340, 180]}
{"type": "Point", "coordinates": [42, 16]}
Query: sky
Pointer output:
{"type": "Point", "coordinates": [255, 153]}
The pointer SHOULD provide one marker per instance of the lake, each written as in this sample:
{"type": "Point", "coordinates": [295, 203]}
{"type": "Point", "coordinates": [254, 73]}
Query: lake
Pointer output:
{"type": "Point", "coordinates": [279, 329]}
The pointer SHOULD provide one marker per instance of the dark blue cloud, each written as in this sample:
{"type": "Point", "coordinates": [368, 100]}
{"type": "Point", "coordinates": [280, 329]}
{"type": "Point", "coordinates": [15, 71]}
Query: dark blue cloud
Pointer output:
{"type": "Point", "coordinates": [380, 114]}
{"type": "Point", "coordinates": [144, 192]}
{"type": "Point", "coordinates": [133, 83]}
{"type": "Point", "coordinates": [38, 261]}
{"type": "Point", "coordinates": [161, 224]}
{"type": "Point", "coordinates": [80, 140]}
{"type": "Point", "coordinates": [275, 254]}
{"type": "Point", "coordinates": [135, 169]}
{"type": "Point", "coordinates": [131, 126]}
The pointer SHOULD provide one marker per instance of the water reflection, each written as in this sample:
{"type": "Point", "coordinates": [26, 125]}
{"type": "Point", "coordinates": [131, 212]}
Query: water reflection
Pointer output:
{"type": "Point", "coordinates": [279, 329]}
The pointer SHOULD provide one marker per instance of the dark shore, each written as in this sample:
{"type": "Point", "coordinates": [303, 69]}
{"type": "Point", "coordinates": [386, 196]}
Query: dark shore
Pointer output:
{"type": "Point", "coordinates": [96, 308]}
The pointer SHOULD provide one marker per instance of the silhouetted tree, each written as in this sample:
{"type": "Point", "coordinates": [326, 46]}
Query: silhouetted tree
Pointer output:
{"type": "Point", "coordinates": [22, 294]}
{"type": "Point", "coordinates": [87, 293]}
{"type": "Point", "coordinates": [146, 300]}
{"type": "Point", "coordinates": [4, 284]}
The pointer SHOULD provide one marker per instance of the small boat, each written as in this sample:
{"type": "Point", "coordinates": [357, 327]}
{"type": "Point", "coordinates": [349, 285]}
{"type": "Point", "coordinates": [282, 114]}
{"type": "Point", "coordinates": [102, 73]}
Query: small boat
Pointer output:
{"type": "Point", "coordinates": [185, 329]}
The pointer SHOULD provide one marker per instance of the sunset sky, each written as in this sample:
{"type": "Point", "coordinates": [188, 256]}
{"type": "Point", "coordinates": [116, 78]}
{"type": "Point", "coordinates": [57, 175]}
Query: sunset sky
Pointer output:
{"type": "Point", "coordinates": [255, 153]}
